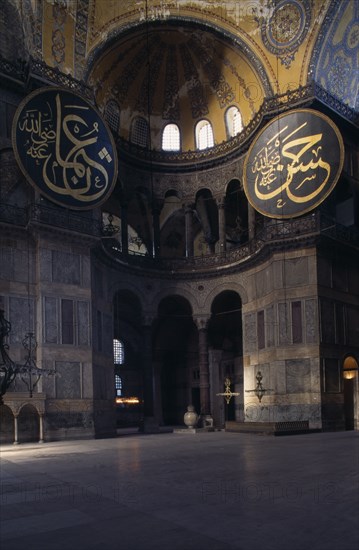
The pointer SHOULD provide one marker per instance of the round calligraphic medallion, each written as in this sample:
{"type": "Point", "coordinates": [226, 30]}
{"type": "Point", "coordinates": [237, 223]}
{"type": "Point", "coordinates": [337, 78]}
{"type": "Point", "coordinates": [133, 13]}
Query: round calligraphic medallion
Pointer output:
{"type": "Point", "coordinates": [64, 148]}
{"type": "Point", "coordinates": [293, 164]}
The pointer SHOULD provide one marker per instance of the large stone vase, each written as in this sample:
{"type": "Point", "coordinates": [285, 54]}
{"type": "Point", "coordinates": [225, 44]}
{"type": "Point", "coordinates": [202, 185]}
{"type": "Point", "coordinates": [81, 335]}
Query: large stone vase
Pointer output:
{"type": "Point", "coordinates": [190, 417]}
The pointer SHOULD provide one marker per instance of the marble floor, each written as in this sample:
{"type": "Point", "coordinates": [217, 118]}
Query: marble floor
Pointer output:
{"type": "Point", "coordinates": [185, 491]}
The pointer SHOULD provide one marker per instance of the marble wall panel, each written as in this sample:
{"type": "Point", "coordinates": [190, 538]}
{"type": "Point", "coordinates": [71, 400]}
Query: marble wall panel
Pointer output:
{"type": "Point", "coordinates": [298, 377]}
{"type": "Point", "coordinates": [45, 265]}
{"type": "Point", "coordinates": [51, 327]}
{"type": "Point", "coordinates": [249, 333]}
{"type": "Point", "coordinates": [7, 264]}
{"type": "Point", "coordinates": [24, 265]}
{"type": "Point", "coordinates": [86, 271]}
{"type": "Point", "coordinates": [296, 272]}
{"type": "Point", "coordinates": [324, 270]}
{"type": "Point", "coordinates": [277, 380]}
{"type": "Point", "coordinates": [99, 382]}
{"type": "Point", "coordinates": [263, 282]}
{"type": "Point", "coordinates": [65, 268]}
{"type": "Point", "coordinates": [283, 324]}
{"type": "Point", "coordinates": [48, 381]}
{"type": "Point", "coordinates": [278, 275]}
{"type": "Point", "coordinates": [68, 380]}
{"type": "Point", "coordinates": [327, 321]}
{"type": "Point", "coordinates": [21, 317]}
{"type": "Point", "coordinates": [83, 320]}
{"type": "Point", "coordinates": [270, 326]}
{"type": "Point", "coordinates": [107, 334]}
{"type": "Point", "coordinates": [311, 321]}
{"type": "Point", "coordinates": [87, 381]}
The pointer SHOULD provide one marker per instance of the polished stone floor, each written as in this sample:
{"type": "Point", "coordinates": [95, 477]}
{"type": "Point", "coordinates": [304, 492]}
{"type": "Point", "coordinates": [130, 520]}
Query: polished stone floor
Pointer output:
{"type": "Point", "coordinates": [185, 491]}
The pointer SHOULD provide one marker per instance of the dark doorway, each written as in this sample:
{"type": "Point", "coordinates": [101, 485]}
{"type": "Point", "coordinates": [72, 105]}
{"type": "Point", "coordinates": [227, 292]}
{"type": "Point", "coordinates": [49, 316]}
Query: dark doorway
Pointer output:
{"type": "Point", "coordinates": [175, 343]}
{"type": "Point", "coordinates": [349, 403]}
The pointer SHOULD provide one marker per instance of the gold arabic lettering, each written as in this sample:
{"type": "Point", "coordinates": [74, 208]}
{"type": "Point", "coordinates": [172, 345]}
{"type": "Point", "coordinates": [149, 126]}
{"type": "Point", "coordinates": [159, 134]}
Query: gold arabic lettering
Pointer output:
{"type": "Point", "coordinates": [66, 170]}
{"type": "Point", "coordinates": [270, 169]}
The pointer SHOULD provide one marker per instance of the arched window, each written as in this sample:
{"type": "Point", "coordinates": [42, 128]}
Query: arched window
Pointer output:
{"type": "Point", "coordinates": [171, 138]}
{"type": "Point", "coordinates": [112, 116]}
{"type": "Point", "coordinates": [118, 352]}
{"type": "Point", "coordinates": [118, 385]}
{"type": "Point", "coordinates": [139, 132]}
{"type": "Point", "coordinates": [204, 135]}
{"type": "Point", "coordinates": [234, 122]}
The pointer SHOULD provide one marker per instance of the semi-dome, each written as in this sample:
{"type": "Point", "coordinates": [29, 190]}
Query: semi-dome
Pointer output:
{"type": "Point", "coordinates": [186, 76]}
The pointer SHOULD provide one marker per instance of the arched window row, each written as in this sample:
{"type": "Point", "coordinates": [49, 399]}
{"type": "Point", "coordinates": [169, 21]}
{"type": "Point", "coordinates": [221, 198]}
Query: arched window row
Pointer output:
{"type": "Point", "coordinates": [171, 133]}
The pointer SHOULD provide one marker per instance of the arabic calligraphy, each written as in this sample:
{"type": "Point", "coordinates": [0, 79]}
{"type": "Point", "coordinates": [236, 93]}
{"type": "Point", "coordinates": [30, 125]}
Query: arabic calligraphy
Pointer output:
{"type": "Point", "coordinates": [64, 148]}
{"type": "Point", "coordinates": [291, 167]}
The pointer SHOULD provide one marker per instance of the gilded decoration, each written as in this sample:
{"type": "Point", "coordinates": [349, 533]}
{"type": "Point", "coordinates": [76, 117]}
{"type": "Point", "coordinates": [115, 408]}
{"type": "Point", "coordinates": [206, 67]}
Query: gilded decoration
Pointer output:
{"type": "Point", "coordinates": [64, 148]}
{"type": "Point", "coordinates": [286, 28]}
{"type": "Point", "coordinates": [58, 36]}
{"type": "Point", "coordinates": [80, 38]}
{"type": "Point", "coordinates": [336, 53]}
{"type": "Point", "coordinates": [293, 164]}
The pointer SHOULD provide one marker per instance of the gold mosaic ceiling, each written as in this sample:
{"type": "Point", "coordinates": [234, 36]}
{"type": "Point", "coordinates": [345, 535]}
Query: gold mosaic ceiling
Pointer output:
{"type": "Point", "coordinates": [183, 60]}
{"type": "Point", "coordinates": [171, 73]}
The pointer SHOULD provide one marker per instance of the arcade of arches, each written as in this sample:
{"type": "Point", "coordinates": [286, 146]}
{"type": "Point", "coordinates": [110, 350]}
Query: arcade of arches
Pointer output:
{"type": "Point", "coordinates": [194, 281]}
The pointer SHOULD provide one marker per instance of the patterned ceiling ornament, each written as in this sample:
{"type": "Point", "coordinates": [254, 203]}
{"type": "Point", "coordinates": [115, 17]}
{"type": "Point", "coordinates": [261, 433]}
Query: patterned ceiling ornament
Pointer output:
{"type": "Point", "coordinates": [335, 55]}
{"type": "Point", "coordinates": [58, 36]}
{"type": "Point", "coordinates": [64, 148]}
{"type": "Point", "coordinates": [293, 164]}
{"type": "Point", "coordinates": [195, 89]}
{"type": "Point", "coordinates": [286, 28]}
{"type": "Point", "coordinates": [171, 106]}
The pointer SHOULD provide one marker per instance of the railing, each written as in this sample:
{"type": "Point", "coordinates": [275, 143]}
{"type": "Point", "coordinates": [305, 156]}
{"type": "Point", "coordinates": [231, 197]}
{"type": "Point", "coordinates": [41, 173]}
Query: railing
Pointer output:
{"type": "Point", "coordinates": [55, 217]}
{"type": "Point", "coordinates": [277, 233]}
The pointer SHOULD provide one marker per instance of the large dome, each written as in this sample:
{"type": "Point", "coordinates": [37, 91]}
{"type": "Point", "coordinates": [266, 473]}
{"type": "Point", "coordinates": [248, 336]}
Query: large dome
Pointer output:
{"type": "Point", "coordinates": [167, 73]}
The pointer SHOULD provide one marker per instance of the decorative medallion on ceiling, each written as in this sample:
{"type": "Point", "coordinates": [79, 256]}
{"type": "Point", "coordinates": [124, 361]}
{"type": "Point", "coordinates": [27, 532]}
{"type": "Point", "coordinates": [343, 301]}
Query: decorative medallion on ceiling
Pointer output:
{"type": "Point", "coordinates": [286, 28]}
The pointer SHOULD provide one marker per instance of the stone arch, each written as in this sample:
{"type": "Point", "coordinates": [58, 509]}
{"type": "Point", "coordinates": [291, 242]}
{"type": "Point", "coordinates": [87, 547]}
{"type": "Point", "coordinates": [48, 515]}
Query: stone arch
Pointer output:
{"type": "Point", "coordinates": [228, 285]}
{"type": "Point", "coordinates": [171, 291]}
{"type": "Point", "coordinates": [128, 287]}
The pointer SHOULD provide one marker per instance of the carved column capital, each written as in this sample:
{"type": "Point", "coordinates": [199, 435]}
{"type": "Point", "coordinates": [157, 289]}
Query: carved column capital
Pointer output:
{"type": "Point", "coordinates": [201, 321]}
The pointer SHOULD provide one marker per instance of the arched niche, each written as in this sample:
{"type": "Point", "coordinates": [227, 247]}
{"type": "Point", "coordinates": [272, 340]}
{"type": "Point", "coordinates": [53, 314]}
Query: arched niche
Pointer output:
{"type": "Point", "coordinates": [6, 425]}
{"type": "Point", "coordinates": [28, 424]}
{"type": "Point", "coordinates": [175, 356]}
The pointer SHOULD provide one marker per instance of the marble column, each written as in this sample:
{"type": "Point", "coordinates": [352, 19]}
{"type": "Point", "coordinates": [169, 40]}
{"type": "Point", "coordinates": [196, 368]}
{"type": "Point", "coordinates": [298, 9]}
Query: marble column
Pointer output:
{"type": "Point", "coordinates": [156, 231]}
{"type": "Point", "coordinates": [189, 230]}
{"type": "Point", "coordinates": [41, 428]}
{"type": "Point", "coordinates": [150, 423]}
{"type": "Point", "coordinates": [16, 430]}
{"type": "Point", "coordinates": [251, 222]}
{"type": "Point", "coordinates": [204, 388]}
{"type": "Point", "coordinates": [124, 229]}
{"type": "Point", "coordinates": [221, 203]}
